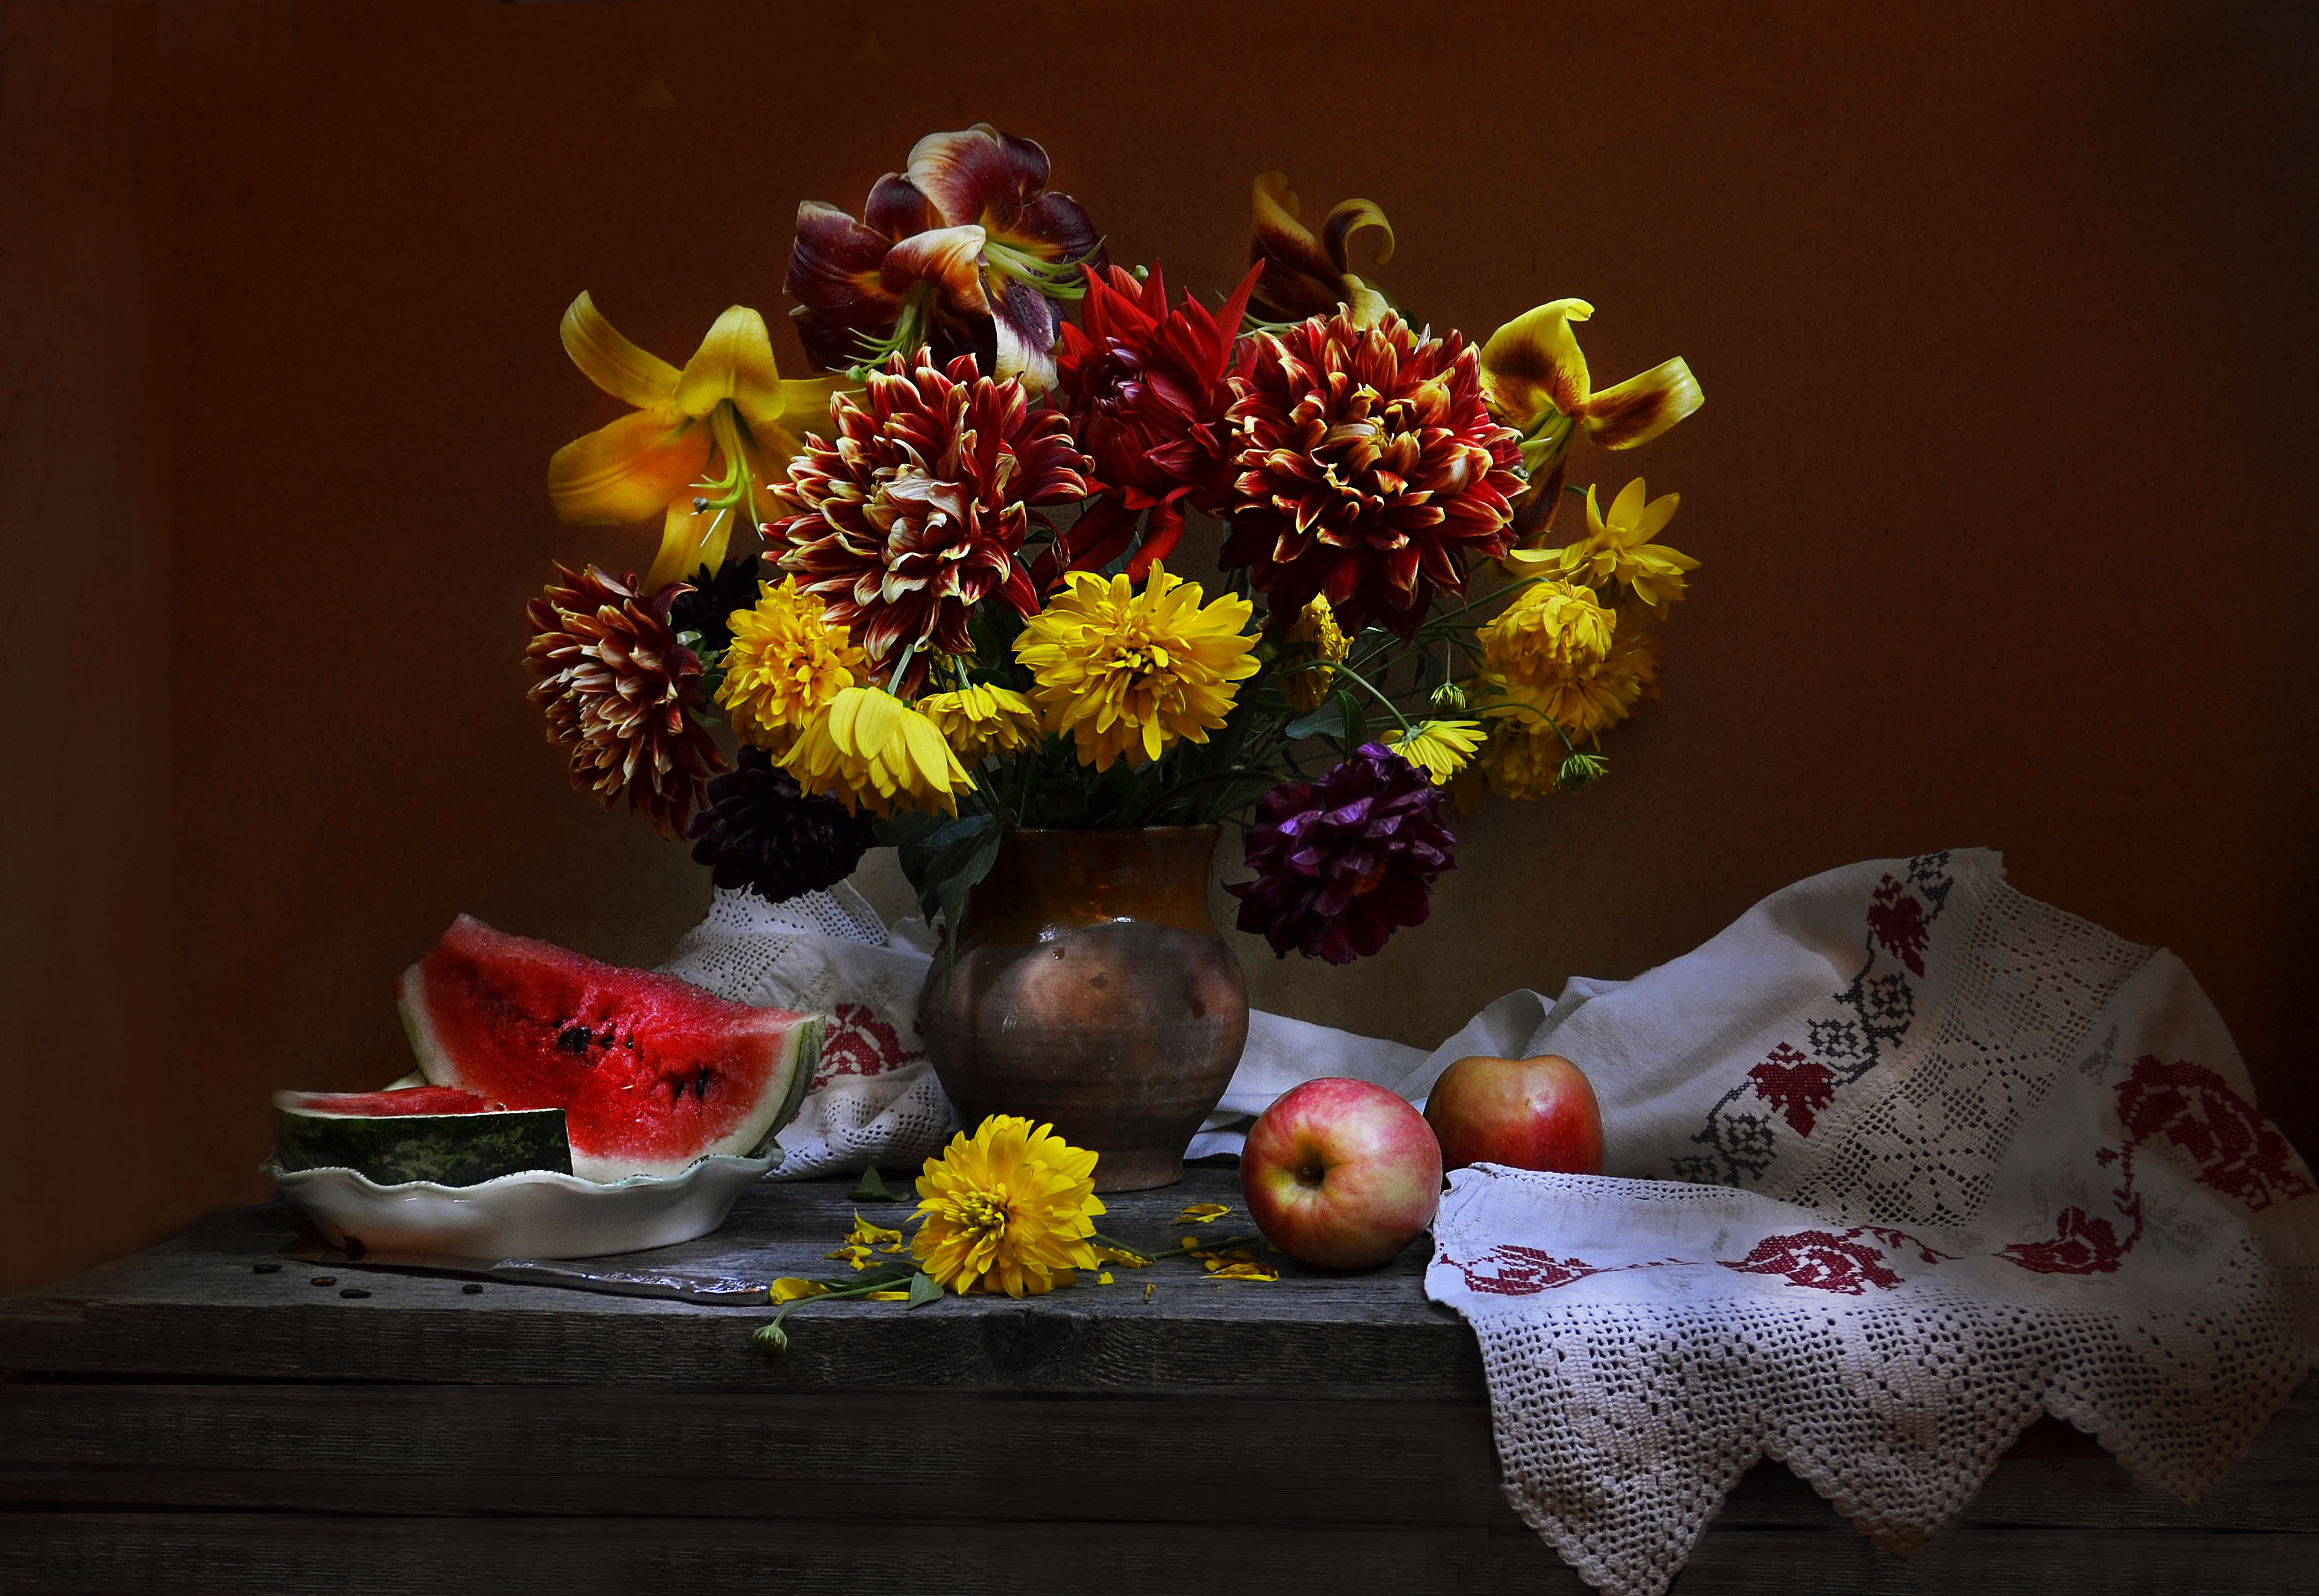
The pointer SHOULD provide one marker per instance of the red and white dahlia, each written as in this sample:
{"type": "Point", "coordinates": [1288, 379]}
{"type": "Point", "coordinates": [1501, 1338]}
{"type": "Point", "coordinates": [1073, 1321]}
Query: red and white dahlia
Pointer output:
{"type": "Point", "coordinates": [917, 512]}
{"type": "Point", "coordinates": [1370, 471]}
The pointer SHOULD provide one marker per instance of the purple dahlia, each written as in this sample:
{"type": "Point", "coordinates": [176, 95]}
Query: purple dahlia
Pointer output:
{"type": "Point", "coordinates": [1344, 861]}
{"type": "Point", "coordinates": [760, 831]}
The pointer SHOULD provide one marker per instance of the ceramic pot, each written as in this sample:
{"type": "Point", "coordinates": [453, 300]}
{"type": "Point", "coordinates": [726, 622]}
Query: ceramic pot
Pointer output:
{"type": "Point", "coordinates": [1090, 990]}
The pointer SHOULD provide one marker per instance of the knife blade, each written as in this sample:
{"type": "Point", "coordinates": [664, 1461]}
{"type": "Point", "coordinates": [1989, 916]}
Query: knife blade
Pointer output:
{"type": "Point", "coordinates": [715, 1290]}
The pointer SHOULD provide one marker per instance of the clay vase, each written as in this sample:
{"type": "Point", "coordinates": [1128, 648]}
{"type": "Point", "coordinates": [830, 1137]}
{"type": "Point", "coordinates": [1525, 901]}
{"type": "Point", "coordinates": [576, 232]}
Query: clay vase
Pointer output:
{"type": "Point", "coordinates": [1090, 990]}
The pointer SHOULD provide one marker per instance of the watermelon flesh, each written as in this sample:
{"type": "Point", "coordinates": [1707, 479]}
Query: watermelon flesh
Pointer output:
{"type": "Point", "coordinates": [389, 1104]}
{"type": "Point", "coordinates": [653, 1073]}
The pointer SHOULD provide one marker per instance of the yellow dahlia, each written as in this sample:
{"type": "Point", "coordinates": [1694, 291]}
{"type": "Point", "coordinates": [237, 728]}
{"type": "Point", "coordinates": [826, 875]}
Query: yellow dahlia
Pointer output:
{"type": "Point", "coordinates": [1523, 760]}
{"type": "Point", "coordinates": [1123, 671]}
{"type": "Point", "coordinates": [979, 721]}
{"type": "Point", "coordinates": [1314, 635]}
{"type": "Point", "coordinates": [876, 753]}
{"type": "Point", "coordinates": [1618, 546]}
{"type": "Point", "coordinates": [1585, 698]}
{"type": "Point", "coordinates": [785, 663]}
{"type": "Point", "coordinates": [1550, 627]}
{"type": "Point", "coordinates": [1008, 1209]}
{"type": "Point", "coordinates": [1439, 748]}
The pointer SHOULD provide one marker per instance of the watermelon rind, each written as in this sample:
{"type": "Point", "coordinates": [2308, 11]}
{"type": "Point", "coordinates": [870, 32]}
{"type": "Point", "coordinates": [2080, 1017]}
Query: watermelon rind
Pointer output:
{"type": "Point", "coordinates": [445, 1149]}
{"type": "Point", "coordinates": [637, 1059]}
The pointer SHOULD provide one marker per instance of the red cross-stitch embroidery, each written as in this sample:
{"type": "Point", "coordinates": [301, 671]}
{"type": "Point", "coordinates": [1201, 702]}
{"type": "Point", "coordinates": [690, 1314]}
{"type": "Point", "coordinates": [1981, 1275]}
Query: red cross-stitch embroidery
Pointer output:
{"type": "Point", "coordinates": [2082, 1245]}
{"type": "Point", "coordinates": [1794, 1083]}
{"type": "Point", "coordinates": [1898, 921]}
{"type": "Point", "coordinates": [1821, 1260]}
{"type": "Point", "coordinates": [2238, 1152]}
{"type": "Point", "coordinates": [1508, 1270]}
{"type": "Point", "coordinates": [858, 1042]}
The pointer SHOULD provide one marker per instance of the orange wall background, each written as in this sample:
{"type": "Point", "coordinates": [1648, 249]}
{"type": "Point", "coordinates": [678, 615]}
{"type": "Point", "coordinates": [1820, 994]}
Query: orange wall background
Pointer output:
{"type": "Point", "coordinates": [2002, 485]}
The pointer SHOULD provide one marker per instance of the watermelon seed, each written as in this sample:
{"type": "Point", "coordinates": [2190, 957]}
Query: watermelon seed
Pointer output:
{"type": "Point", "coordinates": [574, 1038]}
{"type": "Point", "coordinates": [265, 1268]}
{"type": "Point", "coordinates": [323, 1280]}
{"type": "Point", "coordinates": [353, 1292]}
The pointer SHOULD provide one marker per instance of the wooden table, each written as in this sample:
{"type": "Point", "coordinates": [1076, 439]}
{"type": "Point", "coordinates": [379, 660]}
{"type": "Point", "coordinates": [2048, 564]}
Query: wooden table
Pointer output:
{"type": "Point", "coordinates": [177, 1422]}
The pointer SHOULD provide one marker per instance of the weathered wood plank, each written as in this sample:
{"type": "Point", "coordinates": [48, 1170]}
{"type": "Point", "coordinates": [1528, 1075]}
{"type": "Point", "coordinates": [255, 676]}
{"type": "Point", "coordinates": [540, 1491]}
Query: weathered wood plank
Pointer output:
{"type": "Point", "coordinates": [79, 1554]}
{"type": "Point", "coordinates": [193, 1306]}
{"type": "Point", "coordinates": [449, 1449]}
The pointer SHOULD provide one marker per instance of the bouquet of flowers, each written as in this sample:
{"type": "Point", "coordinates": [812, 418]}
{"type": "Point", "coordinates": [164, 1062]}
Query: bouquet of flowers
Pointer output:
{"type": "Point", "coordinates": [930, 589]}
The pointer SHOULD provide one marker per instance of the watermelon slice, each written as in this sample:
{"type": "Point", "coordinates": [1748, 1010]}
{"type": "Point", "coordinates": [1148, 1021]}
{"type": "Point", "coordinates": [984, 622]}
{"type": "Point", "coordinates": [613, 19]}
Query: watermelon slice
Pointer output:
{"type": "Point", "coordinates": [429, 1133]}
{"type": "Point", "coordinates": [652, 1073]}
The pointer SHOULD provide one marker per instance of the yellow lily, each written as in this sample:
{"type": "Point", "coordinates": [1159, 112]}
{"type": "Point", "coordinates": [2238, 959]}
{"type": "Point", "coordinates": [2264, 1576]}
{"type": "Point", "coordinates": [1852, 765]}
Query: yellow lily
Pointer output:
{"type": "Point", "coordinates": [698, 449]}
{"type": "Point", "coordinates": [1618, 547]}
{"type": "Point", "coordinates": [1534, 376]}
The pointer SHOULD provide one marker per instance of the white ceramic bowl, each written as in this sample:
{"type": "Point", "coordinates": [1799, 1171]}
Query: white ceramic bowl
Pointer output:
{"type": "Point", "coordinates": [536, 1213]}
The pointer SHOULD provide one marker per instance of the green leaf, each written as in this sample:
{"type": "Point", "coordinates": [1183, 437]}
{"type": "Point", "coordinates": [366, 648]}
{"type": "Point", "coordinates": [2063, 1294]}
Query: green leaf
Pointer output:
{"type": "Point", "coordinates": [1327, 721]}
{"type": "Point", "coordinates": [922, 1290]}
{"type": "Point", "coordinates": [934, 859]}
{"type": "Point", "coordinates": [900, 831]}
{"type": "Point", "coordinates": [874, 1189]}
{"type": "Point", "coordinates": [1356, 730]}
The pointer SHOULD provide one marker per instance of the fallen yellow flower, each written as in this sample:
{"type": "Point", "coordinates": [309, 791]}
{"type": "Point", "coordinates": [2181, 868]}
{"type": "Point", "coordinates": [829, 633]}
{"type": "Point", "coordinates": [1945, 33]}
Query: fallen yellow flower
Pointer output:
{"type": "Point", "coordinates": [1201, 1213]}
{"type": "Point", "coordinates": [865, 1234]}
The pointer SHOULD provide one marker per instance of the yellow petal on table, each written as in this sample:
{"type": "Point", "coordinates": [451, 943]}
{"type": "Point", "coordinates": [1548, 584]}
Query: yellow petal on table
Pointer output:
{"type": "Point", "coordinates": [789, 1288]}
{"type": "Point", "coordinates": [1639, 409]}
{"type": "Point", "coordinates": [635, 376]}
{"type": "Point", "coordinates": [886, 1296]}
{"type": "Point", "coordinates": [1200, 1213]}
{"type": "Point", "coordinates": [1102, 1277]}
{"type": "Point", "coordinates": [1149, 1289]}
{"type": "Point", "coordinates": [865, 1234]}
{"type": "Point", "coordinates": [1248, 1271]}
{"type": "Point", "coordinates": [630, 471]}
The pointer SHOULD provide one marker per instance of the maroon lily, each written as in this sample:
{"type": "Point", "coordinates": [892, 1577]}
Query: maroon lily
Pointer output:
{"type": "Point", "coordinates": [964, 252]}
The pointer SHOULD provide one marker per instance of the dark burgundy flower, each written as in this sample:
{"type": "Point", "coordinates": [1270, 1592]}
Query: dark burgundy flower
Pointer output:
{"type": "Point", "coordinates": [1370, 470]}
{"type": "Point", "coordinates": [1146, 392]}
{"type": "Point", "coordinates": [761, 831]}
{"type": "Point", "coordinates": [966, 252]}
{"type": "Point", "coordinates": [713, 599]}
{"type": "Point", "coordinates": [1343, 862]}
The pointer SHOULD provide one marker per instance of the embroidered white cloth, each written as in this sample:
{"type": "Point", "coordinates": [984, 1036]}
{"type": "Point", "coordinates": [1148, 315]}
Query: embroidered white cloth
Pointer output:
{"type": "Point", "coordinates": [1991, 1162]}
{"type": "Point", "coordinates": [1911, 1159]}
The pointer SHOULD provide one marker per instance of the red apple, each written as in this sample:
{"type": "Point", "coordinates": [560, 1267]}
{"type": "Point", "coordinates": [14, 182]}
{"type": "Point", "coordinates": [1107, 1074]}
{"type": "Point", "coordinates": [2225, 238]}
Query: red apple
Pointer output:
{"type": "Point", "coordinates": [1340, 1173]}
{"type": "Point", "coordinates": [1533, 1113]}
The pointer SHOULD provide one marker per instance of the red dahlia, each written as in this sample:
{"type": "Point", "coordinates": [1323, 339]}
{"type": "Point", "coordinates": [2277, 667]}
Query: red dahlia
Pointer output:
{"type": "Point", "coordinates": [1369, 470]}
{"type": "Point", "coordinates": [917, 512]}
{"type": "Point", "coordinates": [1146, 392]}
